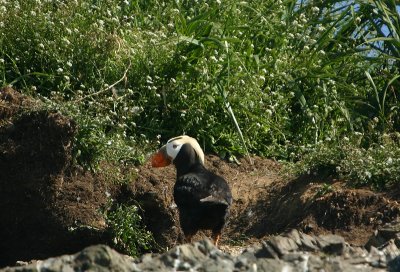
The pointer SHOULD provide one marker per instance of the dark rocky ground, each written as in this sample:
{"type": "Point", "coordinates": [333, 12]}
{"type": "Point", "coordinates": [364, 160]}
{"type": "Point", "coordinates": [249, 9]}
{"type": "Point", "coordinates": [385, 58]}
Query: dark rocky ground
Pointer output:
{"type": "Point", "coordinates": [50, 208]}
{"type": "Point", "coordinates": [293, 251]}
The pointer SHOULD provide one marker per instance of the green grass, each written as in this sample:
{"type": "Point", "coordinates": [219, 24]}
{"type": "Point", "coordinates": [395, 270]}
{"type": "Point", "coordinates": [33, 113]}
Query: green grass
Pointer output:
{"type": "Point", "coordinates": [130, 236]}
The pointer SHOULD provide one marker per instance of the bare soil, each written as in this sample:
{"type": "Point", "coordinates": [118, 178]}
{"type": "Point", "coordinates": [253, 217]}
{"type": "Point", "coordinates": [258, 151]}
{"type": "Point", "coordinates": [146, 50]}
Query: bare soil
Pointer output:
{"type": "Point", "coordinates": [49, 207]}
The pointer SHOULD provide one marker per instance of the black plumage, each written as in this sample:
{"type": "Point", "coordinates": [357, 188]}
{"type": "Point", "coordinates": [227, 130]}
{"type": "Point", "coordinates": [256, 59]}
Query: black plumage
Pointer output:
{"type": "Point", "coordinates": [203, 198]}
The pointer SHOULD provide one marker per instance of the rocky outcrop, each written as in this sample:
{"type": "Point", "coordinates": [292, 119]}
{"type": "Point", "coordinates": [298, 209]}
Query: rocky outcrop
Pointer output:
{"type": "Point", "coordinates": [294, 251]}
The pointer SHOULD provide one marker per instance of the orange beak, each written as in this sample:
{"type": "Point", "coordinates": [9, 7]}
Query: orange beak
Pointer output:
{"type": "Point", "coordinates": [161, 158]}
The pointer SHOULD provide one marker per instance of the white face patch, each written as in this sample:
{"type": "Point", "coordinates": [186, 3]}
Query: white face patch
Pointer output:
{"type": "Point", "coordinates": [173, 149]}
{"type": "Point", "coordinates": [174, 145]}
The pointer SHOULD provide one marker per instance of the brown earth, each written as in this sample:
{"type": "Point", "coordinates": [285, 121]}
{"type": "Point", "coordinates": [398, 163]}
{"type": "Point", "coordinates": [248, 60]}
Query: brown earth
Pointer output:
{"type": "Point", "coordinates": [49, 207]}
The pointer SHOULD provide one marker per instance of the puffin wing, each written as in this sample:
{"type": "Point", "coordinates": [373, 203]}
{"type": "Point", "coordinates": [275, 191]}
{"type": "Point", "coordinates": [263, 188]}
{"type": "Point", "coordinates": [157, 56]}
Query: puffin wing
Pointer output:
{"type": "Point", "coordinates": [219, 192]}
{"type": "Point", "coordinates": [213, 199]}
{"type": "Point", "coordinates": [203, 188]}
{"type": "Point", "coordinates": [189, 189]}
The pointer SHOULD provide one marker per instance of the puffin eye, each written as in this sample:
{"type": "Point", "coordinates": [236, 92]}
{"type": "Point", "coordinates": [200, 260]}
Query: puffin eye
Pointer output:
{"type": "Point", "coordinates": [174, 146]}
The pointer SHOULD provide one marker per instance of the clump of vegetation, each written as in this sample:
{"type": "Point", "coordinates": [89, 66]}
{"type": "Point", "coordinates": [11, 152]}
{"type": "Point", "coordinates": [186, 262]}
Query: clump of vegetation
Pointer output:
{"type": "Point", "coordinates": [377, 165]}
{"type": "Point", "coordinates": [125, 226]}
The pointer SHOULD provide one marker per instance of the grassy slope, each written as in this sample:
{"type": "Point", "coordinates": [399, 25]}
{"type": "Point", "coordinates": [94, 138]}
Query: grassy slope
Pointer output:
{"type": "Point", "coordinates": [308, 81]}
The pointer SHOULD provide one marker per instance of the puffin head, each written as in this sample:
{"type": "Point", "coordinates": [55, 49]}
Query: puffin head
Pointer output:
{"type": "Point", "coordinates": [168, 153]}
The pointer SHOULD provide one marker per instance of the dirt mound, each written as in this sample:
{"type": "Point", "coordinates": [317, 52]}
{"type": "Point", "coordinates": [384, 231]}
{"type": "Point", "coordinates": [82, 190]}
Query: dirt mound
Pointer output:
{"type": "Point", "coordinates": [265, 203]}
{"type": "Point", "coordinates": [320, 206]}
{"type": "Point", "coordinates": [39, 198]}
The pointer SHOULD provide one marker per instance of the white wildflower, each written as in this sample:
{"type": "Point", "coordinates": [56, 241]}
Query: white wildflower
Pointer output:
{"type": "Point", "coordinates": [315, 9]}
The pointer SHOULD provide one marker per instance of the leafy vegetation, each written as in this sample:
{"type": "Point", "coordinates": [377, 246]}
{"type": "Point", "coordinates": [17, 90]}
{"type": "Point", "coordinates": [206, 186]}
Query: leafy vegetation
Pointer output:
{"type": "Point", "coordinates": [129, 234]}
{"type": "Point", "coordinates": [310, 81]}
{"type": "Point", "coordinates": [377, 166]}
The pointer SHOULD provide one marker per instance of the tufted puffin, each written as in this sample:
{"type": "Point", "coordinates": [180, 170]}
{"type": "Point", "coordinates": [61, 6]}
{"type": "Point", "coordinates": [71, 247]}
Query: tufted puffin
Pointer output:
{"type": "Point", "coordinates": [202, 197]}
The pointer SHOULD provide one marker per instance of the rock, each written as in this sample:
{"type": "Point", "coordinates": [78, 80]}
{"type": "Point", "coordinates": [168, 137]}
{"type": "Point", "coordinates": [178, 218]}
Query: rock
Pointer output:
{"type": "Point", "coordinates": [331, 244]}
{"type": "Point", "coordinates": [282, 245]}
{"type": "Point", "coordinates": [200, 255]}
{"type": "Point", "coordinates": [394, 264]}
{"type": "Point", "coordinates": [278, 253]}
{"type": "Point", "coordinates": [267, 252]}
{"type": "Point", "coordinates": [93, 258]}
{"type": "Point", "coordinates": [295, 236]}
{"type": "Point", "coordinates": [308, 242]}
{"type": "Point", "coordinates": [388, 231]}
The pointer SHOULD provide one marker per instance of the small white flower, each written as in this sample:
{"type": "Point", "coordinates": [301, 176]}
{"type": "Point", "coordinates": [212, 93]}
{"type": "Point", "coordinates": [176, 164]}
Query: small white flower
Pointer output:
{"type": "Point", "coordinates": [135, 109]}
{"type": "Point", "coordinates": [315, 9]}
{"type": "Point", "coordinates": [60, 70]}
